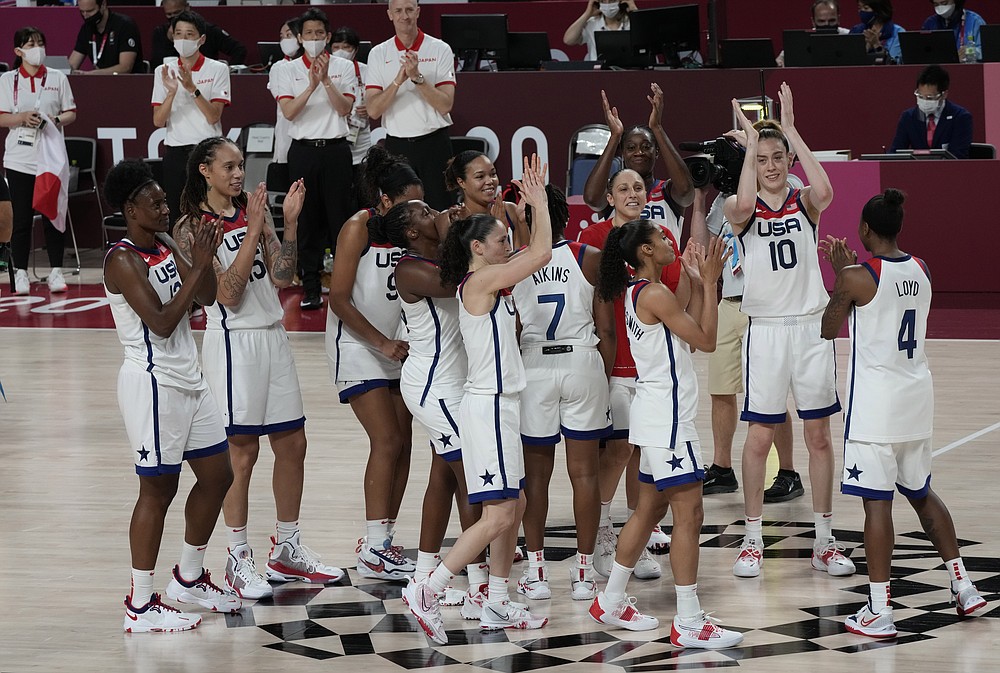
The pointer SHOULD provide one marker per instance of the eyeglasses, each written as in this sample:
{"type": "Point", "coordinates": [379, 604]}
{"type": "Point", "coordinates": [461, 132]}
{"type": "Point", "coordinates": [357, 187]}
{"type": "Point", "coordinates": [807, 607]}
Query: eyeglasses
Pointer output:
{"type": "Point", "coordinates": [919, 97]}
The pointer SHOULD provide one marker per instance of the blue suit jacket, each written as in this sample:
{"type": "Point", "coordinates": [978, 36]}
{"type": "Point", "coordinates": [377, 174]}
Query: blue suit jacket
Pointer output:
{"type": "Point", "coordinates": [953, 132]}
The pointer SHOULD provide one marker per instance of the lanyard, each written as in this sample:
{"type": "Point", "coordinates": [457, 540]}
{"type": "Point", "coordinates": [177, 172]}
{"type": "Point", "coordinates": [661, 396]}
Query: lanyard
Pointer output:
{"type": "Point", "coordinates": [38, 100]}
{"type": "Point", "coordinates": [963, 27]}
{"type": "Point", "coordinates": [93, 47]}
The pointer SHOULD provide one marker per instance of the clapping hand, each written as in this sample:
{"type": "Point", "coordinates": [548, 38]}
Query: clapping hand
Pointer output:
{"type": "Point", "coordinates": [837, 253]}
{"type": "Point", "coordinates": [611, 117]}
{"type": "Point", "coordinates": [745, 124]}
{"type": "Point", "coordinates": [206, 240]}
{"type": "Point", "coordinates": [532, 183]}
{"type": "Point", "coordinates": [656, 100]}
{"type": "Point", "coordinates": [787, 114]}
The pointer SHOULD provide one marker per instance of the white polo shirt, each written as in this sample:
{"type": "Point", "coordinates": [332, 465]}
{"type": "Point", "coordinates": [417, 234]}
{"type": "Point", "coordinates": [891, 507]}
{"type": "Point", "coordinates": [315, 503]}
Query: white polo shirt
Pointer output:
{"type": "Point", "coordinates": [317, 120]}
{"type": "Point", "coordinates": [186, 124]}
{"type": "Point", "coordinates": [47, 92]}
{"type": "Point", "coordinates": [595, 24]}
{"type": "Point", "coordinates": [282, 127]}
{"type": "Point", "coordinates": [409, 115]}
{"type": "Point", "coordinates": [363, 142]}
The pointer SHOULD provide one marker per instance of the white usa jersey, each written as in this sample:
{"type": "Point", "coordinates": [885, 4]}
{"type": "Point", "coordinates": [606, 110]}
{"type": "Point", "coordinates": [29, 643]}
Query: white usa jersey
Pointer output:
{"type": "Point", "coordinates": [889, 387]}
{"type": "Point", "coordinates": [665, 406]}
{"type": "Point", "coordinates": [661, 209]}
{"type": "Point", "coordinates": [495, 365]}
{"type": "Point", "coordinates": [436, 357]}
{"type": "Point", "coordinates": [173, 361]}
{"type": "Point", "coordinates": [556, 303]}
{"type": "Point", "coordinates": [780, 264]}
{"type": "Point", "coordinates": [259, 308]}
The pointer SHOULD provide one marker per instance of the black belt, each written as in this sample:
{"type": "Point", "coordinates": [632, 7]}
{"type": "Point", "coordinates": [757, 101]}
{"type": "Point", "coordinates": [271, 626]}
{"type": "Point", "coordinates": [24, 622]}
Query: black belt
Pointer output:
{"type": "Point", "coordinates": [416, 139]}
{"type": "Point", "coordinates": [321, 142]}
{"type": "Point", "coordinates": [556, 350]}
{"type": "Point", "coordinates": [738, 297]}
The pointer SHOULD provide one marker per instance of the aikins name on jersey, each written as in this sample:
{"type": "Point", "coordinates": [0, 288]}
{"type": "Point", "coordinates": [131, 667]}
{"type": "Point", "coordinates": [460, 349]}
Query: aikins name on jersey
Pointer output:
{"type": "Point", "coordinates": [551, 274]}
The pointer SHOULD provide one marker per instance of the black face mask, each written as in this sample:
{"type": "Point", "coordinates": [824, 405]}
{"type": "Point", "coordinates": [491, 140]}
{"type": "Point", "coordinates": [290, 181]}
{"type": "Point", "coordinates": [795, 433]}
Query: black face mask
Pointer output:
{"type": "Point", "coordinates": [93, 21]}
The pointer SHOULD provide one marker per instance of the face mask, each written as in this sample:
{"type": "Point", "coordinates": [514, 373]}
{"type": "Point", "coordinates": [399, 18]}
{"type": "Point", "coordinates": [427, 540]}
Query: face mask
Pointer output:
{"type": "Point", "coordinates": [289, 46]}
{"type": "Point", "coordinates": [343, 53]}
{"type": "Point", "coordinates": [33, 56]}
{"type": "Point", "coordinates": [186, 48]}
{"type": "Point", "coordinates": [930, 107]}
{"type": "Point", "coordinates": [944, 11]}
{"type": "Point", "coordinates": [866, 17]}
{"type": "Point", "coordinates": [314, 47]}
{"type": "Point", "coordinates": [92, 21]}
{"type": "Point", "coordinates": [610, 9]}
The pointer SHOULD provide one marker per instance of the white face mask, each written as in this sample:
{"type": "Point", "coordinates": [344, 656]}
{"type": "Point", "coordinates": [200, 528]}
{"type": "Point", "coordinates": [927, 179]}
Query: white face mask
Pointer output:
{"type": "Point", "coordinates": [610, 9]}
{"type": "Point", "coordinates": [314, 47]}
{"type": "Point", "coordinates": [33, 56]}
{"type": "Point", "coordinates": [186, 48]}
{"type": "Point", "coordinates": [289, 46]}
{"type": "Point", "coordinates": [944, 11]}
{"type": "Point", "coordinates": [343, 53]}
{"type": "Point", "coordinates": [930, 107]}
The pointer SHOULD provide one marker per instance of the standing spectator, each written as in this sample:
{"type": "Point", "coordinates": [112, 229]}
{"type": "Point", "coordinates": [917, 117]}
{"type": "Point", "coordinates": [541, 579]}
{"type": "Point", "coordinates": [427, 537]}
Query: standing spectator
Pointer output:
{"type": "Point", "coordinates": [31, 95]}
{"type": "Point", "coordinates": [316, 94]}
{"type": "Point", "coordinates": [6, 223]}
{"type": "Point", "coordinates": [217, 40]}
{"type": "Point", "coordinates": [881, 34]}
{"type": "Point", "coordinates": [111, 41]}
{"type": "Point", "coordinates": [952, 15]}
{"type": "Point", "coordinates": [935, 122]}
{"type": "Point", "coordinates": [598, 16]}
{"type": "Point", "coordinates": [189, 94]}
{"type": "Point", "coordinates": [345, 44]}
{"type": "Point", "coordinates": [288, 38]}
{"type": "Point", "coordinates": [413, 85]}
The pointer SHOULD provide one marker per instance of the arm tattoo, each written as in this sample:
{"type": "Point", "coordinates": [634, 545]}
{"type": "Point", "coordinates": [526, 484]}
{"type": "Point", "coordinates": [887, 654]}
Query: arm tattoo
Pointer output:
{"type": "Point", "coordinates": [234, 283]}
{"type": "Point", "coordinates": [836, 310]}
{"type": "Point", "coordinates": [285, 262]}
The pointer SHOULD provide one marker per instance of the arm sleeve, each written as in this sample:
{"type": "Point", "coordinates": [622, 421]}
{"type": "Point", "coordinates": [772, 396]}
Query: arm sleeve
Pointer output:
{"type": "Point", "coordinates": [280, 83]}
{"type": "Point", "coordinates": [129, 40]}
{"type": "Point", "coordinates": [83, 42]}
{"type": "Point", "coordinates": [66, 100]}
{"type": "Point", "coordinates": [342, 73]}
{"type": "Point", "coordinates": [715, 218]}
{"type": "Point", "coordinates": [7, 93]}
{"type": "Point", "coordinates": [375, 77]}
{"type": "Point", "coordinates": [221, 90]}
{"type": "Point", "coordinates": [444, 67]}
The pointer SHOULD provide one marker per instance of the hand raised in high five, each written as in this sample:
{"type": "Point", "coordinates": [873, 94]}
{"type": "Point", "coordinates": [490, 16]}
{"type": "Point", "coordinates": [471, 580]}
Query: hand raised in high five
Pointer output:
{"type": "Point", "coordinates": [532, 183]}
{"type": "Point", "coordinates": [745, 124]}
{"type": "Point", "coordinates": [787, 113]}
{"type": "Point", "coordinates": [611, 117]}
{"type": "Point", "coordinates": [655, 100]}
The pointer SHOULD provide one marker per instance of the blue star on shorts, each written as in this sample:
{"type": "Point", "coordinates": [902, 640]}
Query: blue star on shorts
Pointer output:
{"type": "Point", "coordinates": [676, 463]}
{"type": "Point", "coordinates": [143, 453]}
{"type": "Point", "coordinates": [487, 478]}
{"type": "Point", "coordinates": [854, 473]}
{"type": "Point", "coordinates": [445, 440]}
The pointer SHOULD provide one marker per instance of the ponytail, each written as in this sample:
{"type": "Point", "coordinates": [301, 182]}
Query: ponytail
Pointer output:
{"type": "Point", "coordinates": [456, 251]}
{"type": "Point", "coordinates": [620, 252]}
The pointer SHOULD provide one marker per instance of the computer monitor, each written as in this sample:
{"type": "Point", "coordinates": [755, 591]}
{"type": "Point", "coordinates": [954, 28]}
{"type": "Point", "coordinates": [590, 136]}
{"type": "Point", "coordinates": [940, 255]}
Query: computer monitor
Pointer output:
{"type": "Point", "coordinates": [364, 48]}
{"type": "Point", "coordinates": [474, 37]}
{"type": "Point", "coordinates": [269, 53]}
{"type": "Point", "coordinates": [990, 37]}
{"type": "Point", "coordinates": [796, 46]}
{"type": "Point", "coordinates": [755, 53]}
{"type": "Point", "coordinates": [928, 46]}
{"type": "Point", "coordinates": [897, 156]}
{"type": "Point", "coordinates": [525, 51]}
{"type": "Point", "coordinates": [839, 50]}
{"type": "Point", "coordinates": [615, 49]}
{"type": "Point", "coordinates": [666, 31]}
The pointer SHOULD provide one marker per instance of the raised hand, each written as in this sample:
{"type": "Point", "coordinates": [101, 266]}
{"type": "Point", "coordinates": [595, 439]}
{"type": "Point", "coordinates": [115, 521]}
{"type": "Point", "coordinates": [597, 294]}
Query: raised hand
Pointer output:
{"type": "Point", "coordinates": [292, 205]}
{"type": "Point", "coordinates": [787, 114]}
{"type": "Point", "coordinates": [170, 82]}
{"type": "Point", "coordinates": [656, 101]}
{"type": "Point", "coordinates": [411, 64]}
{"type": "Point", "coordinates": [322, 65]}
{"type": "Point", "coordinates": [207, 238]}
{"type": "Point", "coordinates": [532, 182]}
{"type": "Point", "coordinates": [710, 266]}
{"type": "Point", "coordinates": [838, 253]}
{"type": "Point", "coordinates": [611, 117]}
{"type": "Point", "coordinates": [497, 207]}
{"type": "Point", "coordinates": [185, 77]}
{"type": "Point", "coordinates": [694, 252]}
{"type": "Point", "coordinates": [745, 124]}
{"type": "Point", "coordinates": [256, 207]}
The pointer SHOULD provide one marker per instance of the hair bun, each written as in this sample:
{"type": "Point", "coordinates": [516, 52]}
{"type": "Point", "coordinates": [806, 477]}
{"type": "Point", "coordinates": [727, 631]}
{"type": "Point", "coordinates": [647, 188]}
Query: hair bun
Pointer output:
{"type": "Point", "coordinates": [768, 124]}
{"type": "Point", "coordinates": [894, 197]}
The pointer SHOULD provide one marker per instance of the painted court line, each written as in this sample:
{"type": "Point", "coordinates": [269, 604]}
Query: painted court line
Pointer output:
{"type": "Point", "coordinates": [966, 439]}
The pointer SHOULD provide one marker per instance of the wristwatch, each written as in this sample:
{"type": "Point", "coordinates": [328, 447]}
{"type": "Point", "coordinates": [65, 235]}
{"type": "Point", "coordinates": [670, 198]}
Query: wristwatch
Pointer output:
{"type": "Point", "coordinates": [197, 93]}
{"type": "Point", "coordinates": [419, 80]}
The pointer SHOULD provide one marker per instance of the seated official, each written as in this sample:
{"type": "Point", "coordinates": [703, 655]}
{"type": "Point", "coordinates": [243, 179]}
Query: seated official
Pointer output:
{"type": "Point", "coordinates": [935, 122]}
{"type": "Point", "coordinates": [952, 15]}
{"type": "Point", "coordinates": [825, 19]}
{"type": "Point", "coordinates": [217, 41]}
{"type": "Point", "coordinates": [109, 39]}
{"type": "Point", "coordinates": [881, 34]}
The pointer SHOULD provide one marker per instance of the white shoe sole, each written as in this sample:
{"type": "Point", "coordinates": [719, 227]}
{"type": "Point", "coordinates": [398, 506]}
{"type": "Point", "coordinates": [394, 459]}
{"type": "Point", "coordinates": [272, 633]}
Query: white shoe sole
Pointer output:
{"type": "Point", "coordinates": [392, 575]}
{"type": "Point", "coordinates": [743, 571]}
{"type": "Point", "coordinates": [191, 599]}
{"type": "Point", "coordinates": [535, 593]}
{"type": "Point", "coordinates": [136, 627]}
{"type": "Point", "coordinates": [248, 594]}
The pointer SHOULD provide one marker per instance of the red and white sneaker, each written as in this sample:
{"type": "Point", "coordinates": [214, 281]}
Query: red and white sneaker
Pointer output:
{"type": "Point", "coordinates": [659, 541]}
{"type": "Point", "coordinates": [751, 558]}
{"type": "Point", "coordinates": [290, 561]}
{"type": "Point", "coordinates": [828, 555]}
{"type": "Point", "coordinates": [472, 606]}
{"type": "Point", "coordinates": [967, 600]}
{"type": "Point", "coordinates": [703, 633]}
{"type": "Point", "coordinates": [423, 604]}
{"type": "Point", "coordinates": [451, 597]}
{"type": "Point", "coordinates": [584, 588]}
{"type": "Point", "coordinates": [872, 624]}
{"type": "Point", "coordinates": [157, 617]}
{"type": "Point", "coordinates": [242, 577]}
{"type": "Point", "coordinates": [623, 614]}
{"type": "Point", "coordinates": [534, 584]}
{"type": "Point", "coordinates": [203, 592]}
{"type": "Point", "coordinates": [496, 616]}
{"type": "Point", "coordinates": [383, 564]}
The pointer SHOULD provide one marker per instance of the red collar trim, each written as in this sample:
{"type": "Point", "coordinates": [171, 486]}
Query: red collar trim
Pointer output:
{"type": "Point", "coordinates": [200, 62]}
{"type": "Point", "coordinates": [416, 43]}
{"type": "Point", "coordinates": [38, 75]}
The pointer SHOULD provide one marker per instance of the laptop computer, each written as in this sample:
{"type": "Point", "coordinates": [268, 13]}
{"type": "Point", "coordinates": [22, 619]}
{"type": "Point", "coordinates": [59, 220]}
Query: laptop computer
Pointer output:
{"type": "Point", "coordinates": [990, 37]}
{"type": "Point", "coordinates": [838, 50]}
{"type": "Point", "coordinates": [755, 53]}
{"type": "Point", "coordinates": [928, 46]}
{"type": "Point", "coordinates": [614, 47]}
{"type": "Point", "coordinates": [525, 51]}
{"type": "Point", "coordinates": [797, 51]}
{"type": "Point", "coordinates": [269, 53]}
{"type": "Point", "coordinates": [60, 63]}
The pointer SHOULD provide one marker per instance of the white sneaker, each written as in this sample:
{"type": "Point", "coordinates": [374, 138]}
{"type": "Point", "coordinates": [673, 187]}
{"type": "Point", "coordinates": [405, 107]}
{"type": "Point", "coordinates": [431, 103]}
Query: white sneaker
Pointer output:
{"type": "Point", "coordinates": [472, 606]}
{"type": "Point", "coordinates": [384, 564]}
{"type": "Point", "coordinates": [203, 592]}
{"type": "Point", "coordinates": [291, 560]}
{"type": "Point", "coordinates": [658, 540]}
{"type": "Point", "coordinates": [751, 558]}
{"type": "Point", "coordinates": [242, 577]}
{"type": "Point", "coordinates": [56, 281]}
{"type": "Point", "coordinates": [828, 555]}
{"type": "Point", "coordinates": [583, 584]}
{"type": "Point", "coordinates": [646, 568]}
{"type": "Point", "coordinates": [534, 585]}
{"type": "Point", "coordinates": [504, 615]}
{"type": "Point", "coordinates": [423, 604]}
{"type": "Point", "coordinates": [451, 597]}
{"type": "Point", "coordinates": [604, 551]}
{"type": "Point", "coordinates": [873, 624]}
{"type": "Point", "coordinates": [703, 633]}
{"type": "Point", "coordinates": [22, 284]}
{"type": "Point", "coordinates": [623, 614]}
{"type": "Point", "coordinates": [967, 600]}
{"type": "Point", "coordinates": [157, 617]}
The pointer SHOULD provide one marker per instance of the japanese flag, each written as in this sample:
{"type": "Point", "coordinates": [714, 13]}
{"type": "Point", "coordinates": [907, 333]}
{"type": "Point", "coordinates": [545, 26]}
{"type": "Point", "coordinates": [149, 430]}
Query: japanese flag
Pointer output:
{"type": "Point", "coordinates": [52, 176]}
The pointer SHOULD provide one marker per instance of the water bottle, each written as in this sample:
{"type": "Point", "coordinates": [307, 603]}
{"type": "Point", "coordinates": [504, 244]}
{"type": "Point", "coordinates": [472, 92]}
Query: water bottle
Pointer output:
{"type": "Point", "coordinates": [327, 261]}
{"type": "Point", "coordinates": [969, 50]}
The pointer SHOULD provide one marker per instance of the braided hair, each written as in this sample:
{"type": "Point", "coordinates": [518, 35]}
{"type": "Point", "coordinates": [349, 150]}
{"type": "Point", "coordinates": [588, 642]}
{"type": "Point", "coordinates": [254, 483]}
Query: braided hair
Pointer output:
{"type": "Point", "coordinates": [391, 227]}
{"type": "Point", "coordinates": [195, 190]}
{"type": "Point", "coordinates": [558, 211]}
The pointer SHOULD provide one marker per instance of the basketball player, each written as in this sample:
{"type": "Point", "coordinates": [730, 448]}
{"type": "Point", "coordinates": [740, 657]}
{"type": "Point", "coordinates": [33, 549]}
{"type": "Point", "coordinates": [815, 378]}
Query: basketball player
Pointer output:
{"type": "Point", "coordinates": [890, 404]}
{"type": "Point", "coordinates": [169, 413]}
{"type": "Point", "coordinates": [248, 361]}
{"type": "Point", "coordinates": [662, 419]}
{"type": "Point", "coordinates": [476, 257]}
{"type": "Point", "coordinates": [777, 227]}
{"type": "Point", "coordinates": [365, 356]}
{"type": "Point", "coordinates": [567, 360]}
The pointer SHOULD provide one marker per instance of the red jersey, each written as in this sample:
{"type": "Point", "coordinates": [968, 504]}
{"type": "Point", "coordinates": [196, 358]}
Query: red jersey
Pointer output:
{"type": "Point", "coordinates": [596, 235]}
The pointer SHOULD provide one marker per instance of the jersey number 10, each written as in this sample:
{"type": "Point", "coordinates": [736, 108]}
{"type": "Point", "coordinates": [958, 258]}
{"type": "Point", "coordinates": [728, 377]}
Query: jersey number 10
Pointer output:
{"type": "Point", "coordinates": [783, 254]}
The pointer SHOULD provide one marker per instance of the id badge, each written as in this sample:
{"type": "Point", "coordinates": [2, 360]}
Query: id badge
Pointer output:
{"type": "Point", "coordinates": [352, 133]}
{"type": "Point", "coordinates": [27, 136]}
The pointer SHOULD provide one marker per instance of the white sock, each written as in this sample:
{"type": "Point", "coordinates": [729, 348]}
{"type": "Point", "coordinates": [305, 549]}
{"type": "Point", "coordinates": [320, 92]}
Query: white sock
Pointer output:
{"type": "Point", "coordinates": [536, 558]}
{"type": "Point", "coordinates": [605, 519]}
{"type": "Point", "coordinates": [879, 592]}
{"type": "Point", "coordinates": [378, 533]}
{"type": "Point", "coordinates": [498, 592]}
{"type": "Point", "coordinates": [427, 561]}
{"type": "Point", "coordinates": [688, 605]}
{"type": "Point", "coordinates": [479, 574]}
{"type": "Point", "coordinates": [754, 529]}
{"type": "Point", "coordinates": [285, 530]}
{"type": "Point", "coordinates": [584, 561]}
{"type": "Point", "coordinates": [615, 590]}
{"type": "Point", "coordinates": [237, 535]}
{"type": "Point", "coordinates": [824, 525]}
{"type": "Point", "coordinates": [391, 532]}
{"type": "Point", "coordinates": [192, 562]}
{"type": "Point", "coordinates": [142, 587]}
{"type": "Point", "coordinates": [959, 578]}
{"type": "Point", "coordinates": [440, 578]}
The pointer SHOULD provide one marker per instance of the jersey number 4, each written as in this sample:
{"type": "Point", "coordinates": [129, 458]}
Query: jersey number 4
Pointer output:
{"type": "Point", "coordinates": [907, 337]}
{"type": "Point", "coordinates": [560, 301]}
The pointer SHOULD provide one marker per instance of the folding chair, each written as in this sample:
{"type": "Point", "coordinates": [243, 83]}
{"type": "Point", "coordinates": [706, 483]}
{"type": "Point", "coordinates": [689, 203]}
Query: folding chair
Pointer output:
{"type": "Point", "coordinates": [463, 143]}
{"type": "Point", "coordinates": [585, 148]}
{"type": "Point", "coordinates": [277, 182]}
